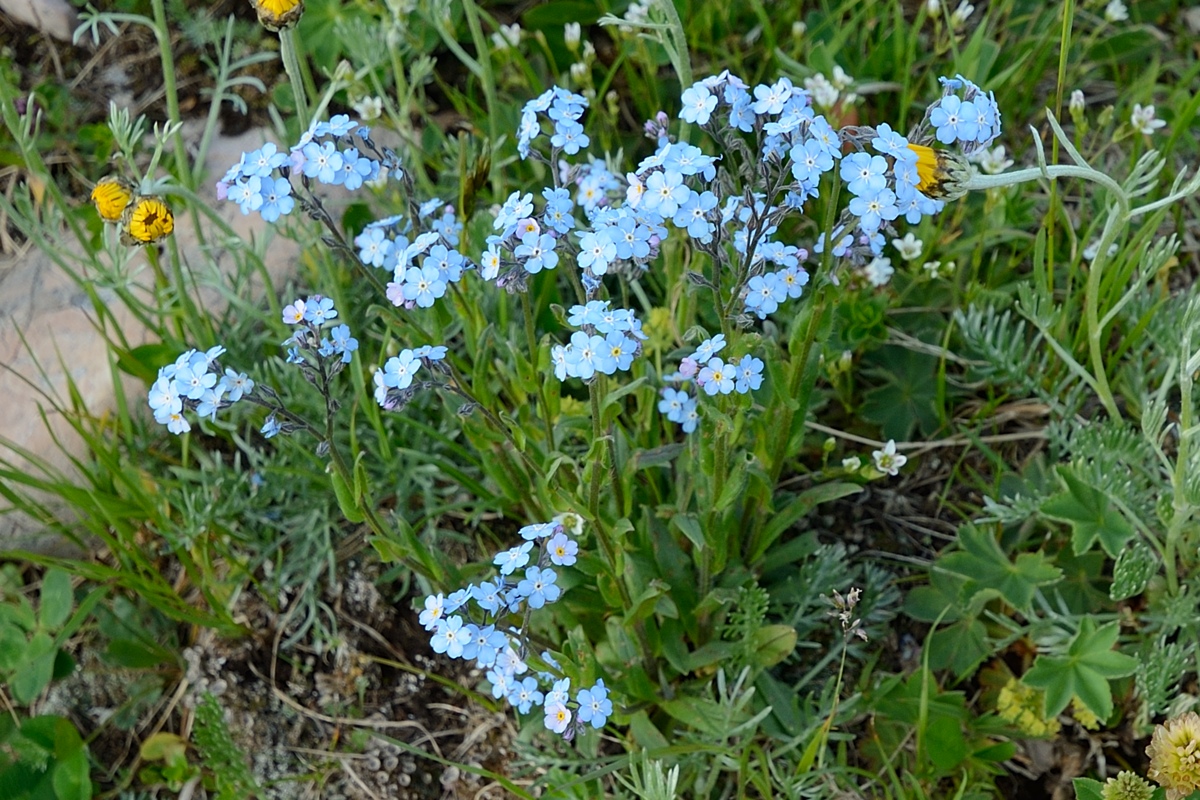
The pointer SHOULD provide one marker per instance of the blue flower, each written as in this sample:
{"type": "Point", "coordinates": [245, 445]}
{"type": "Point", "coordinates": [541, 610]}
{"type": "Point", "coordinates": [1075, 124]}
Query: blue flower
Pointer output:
{"type": "Point", "coordinates": [343, 342]}
{"type": "Point", "coordinates": [322, 161]}
{"type": "Point", "coordinates": [749, 374]}
{"type": "Point", "coordinates": [672, 403]}
{"type": "Point", "coordinates": [449, 637]}
{"type": "Point", "coordinates": [596, 252]}
{"type": "Point", "coordinates": [319, 309]}
{"type": "Point", "coordinates": [516, 207]}
{"type": "Point", "coordinates": [356, 168]}
{"type": "Point", "coordinates": [698, 104]}
{"type": "Point", "coordinates": [247, 193]}
{"type": "Point", "coordinates": [489, 595]}
{"type": "Point", "coordinates": [269, 429]}
{"type": "Point", "coordinates": [763, 294]}
{"type": "Point", "coordinates": [716, 377]}
{"type": "Point", "coordinates": [665, 192]}
{"type": "Point", "coordinates": [864, 173]}
{"type": "Point", "coordinates": [569, 136]}
{"type": "Point", "coordinates": [539, 587]}
{"type": "Point", "coordinates": [594, 705]}
{"type": "Point", "coordinates": [709, 347]}
{"type": "Point", "coordinates": [691, 415]}
{"type": "Point", "coordinates": [399, 370]}
{"type": "Point", "coordinates": [793, 280]}
{"type": "Point", "coordinates": [525, 695]}
{"type": "Point", "coordinates": [237, 384]}
{"type": "Point", "coordinates": [540, 530]}
{"type": "Point", "coordinates": [874, 207]}
{"type": "Point", "coordinates": [374, 247]}
{"type": "Point", "coordinates": [434, 609]}
{"type": "Point", "coordinates": [448, 263]}
{"type": "Point", "coordinates": [558, 717]}
{"type": "Point", "coordinates": [954, 120]}
{"type": "Point", "coordinates": [890, 143]}
{"type": "Point", "coordinates": [619, 351]}
{"type": "Point", "coordinates": [558, 212]}
{"type": "Point", "coordinates": [810, 160]}
{"type": "Point", "coordinates": [262, 162]}
{"type": "Point", "coordinates": [693, 216]}
{"type": "Point", "coordinates": [537, 252]}
{"type": "Point", "coordinates": [423, 285]}
{"type": "Point", "coordinates": [562, 549]}
{"type": "Point", "coordinates": [513, 559]}
{"type": "Point", "coordinates": [484, 645]}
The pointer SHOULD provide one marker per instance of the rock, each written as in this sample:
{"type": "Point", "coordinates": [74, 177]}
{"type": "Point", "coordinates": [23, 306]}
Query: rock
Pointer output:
{"type": "Point", "coordinates": [52, 17]}
{"type": "Point", "coordinates": [47, 335]}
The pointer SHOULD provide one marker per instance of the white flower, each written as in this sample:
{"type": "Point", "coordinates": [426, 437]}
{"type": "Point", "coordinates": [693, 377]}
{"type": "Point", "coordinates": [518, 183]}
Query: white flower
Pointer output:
{"type": "Point", "coordinates": [369, 108]}
{"type": "Point", "coordinates": [888, 460]}
{"type": "Point", "coordinates": [936, 269]}
{"type": "Point", "coordinates": [798, 29]}
{"type": "Point", "coordinates": [824, 93]}
{"type": "Point", "coordinates": [851, 464]}
{"type": "Point", "coordinates": [841, 80]}
{"type": "Point", "coordinates": [879, 271]}
{"type": "Point", "coordinates": [1143, 120]}
{"type": "Point", "coordinates": [579, 72]}
{"type": "Point", "coordinates": [1092, 250]}
{"type": "Point", "coordinates": [991, 161]}
{"type": "Point", "coordinates": [508, 36]}
{"type": "Point", "coordinates": [1115, 11]}
{"type": "Point", "coordinates": [933, 7]}
{"type": "Point", "coordinates": [571, 33]}
{"type": "Point", "coordinates": [961, 15]}
{"type": "Point", "coordinates": [1077, 101]}
{"type": "Point", "coordinates": [909, 247]}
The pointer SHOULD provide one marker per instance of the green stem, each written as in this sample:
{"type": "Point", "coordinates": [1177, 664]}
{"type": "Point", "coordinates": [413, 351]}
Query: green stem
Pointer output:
{"type": "Point", "coordinates": [163, 35]}
{"type": "Point", "coordinates": [1091, 306]}
{"type": "Point", "coordinates": [531, 336]}
{"type": "Point", "coordinates": [597, 468]}
{"type": "Point", "coordinates": [291, 65]}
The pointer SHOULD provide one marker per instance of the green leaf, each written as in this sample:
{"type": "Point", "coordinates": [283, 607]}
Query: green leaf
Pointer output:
{"type": "Point", "coordinates": [71, 781]}
{"type": "Point", "coordinates": [1135, 566]}
{"type": "Point", "coordinates": [944, 742]}
{"type": "Point", "coordinates": [34, 675]}
{"type": "Point", "coordinates": [961, 647]}
{"type": "Point", "coordinates": [57, 599]}
{"type": "Point", "coordinates": [690, 527]}
{"type": "Point", "coordinates": [1083, 672]}
{"type": "Point", "coordinates": [985, 566]}
{"type": "Point", "coordinates": [1087, 510]}
{"type": "Point", "coordinates": [1088, 789]}
{"type": "Point", "coordinates": [772, 644]}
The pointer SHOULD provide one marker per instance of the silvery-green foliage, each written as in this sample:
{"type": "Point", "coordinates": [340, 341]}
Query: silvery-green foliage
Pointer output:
{"type": "Point", "coordinates": [650, 780]}
{"type": "Point", "coordinates": [1111, 456]}
{"type": "Point", "coordinates": [1135, 566]}
{"type": "Point", "coordinates": [1163, 664]}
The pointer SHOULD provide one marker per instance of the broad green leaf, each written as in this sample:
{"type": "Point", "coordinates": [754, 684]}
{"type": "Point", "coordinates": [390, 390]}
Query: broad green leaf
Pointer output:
{"type": "Point", "coordinates": [985, 566]}
{"type": "Point", "coordinates": [34, 675]}
{"type": "Point", "coordinates": [772, 644]}
{"type": "Point", "coordinates": [961, 647]}
{"type": "Point", "coordinates": [71, 781]}
{"type": "Point", "coordinates": [944, 742]}
{"type": "Point", "coordinates": [57, 599]}
{"type": "Point", "coordinates": [1083, 672]}
{"type": "Point", "coordinates": [1087, 510]}
{"type": "Point", "coordinates": [1088, 789]}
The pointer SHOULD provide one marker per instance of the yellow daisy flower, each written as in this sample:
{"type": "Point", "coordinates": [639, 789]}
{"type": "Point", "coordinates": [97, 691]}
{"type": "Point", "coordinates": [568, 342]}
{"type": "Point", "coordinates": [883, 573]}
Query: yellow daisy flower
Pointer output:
{"type": "Point", "coordinates": [276, 14]}
{"type": "Point", "coordinates": [146, 219]}
{"type": "Point", "coordinates": [942, 173]}
{"type": "Point", "coordinates": [112, 196]}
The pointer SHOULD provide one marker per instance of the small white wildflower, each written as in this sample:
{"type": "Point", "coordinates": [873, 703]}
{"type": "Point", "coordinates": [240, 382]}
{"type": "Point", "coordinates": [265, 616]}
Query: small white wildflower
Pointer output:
{"type": "Point", "coordinates": [589, 52]}
{"type": "Point", "coordinates": [1077, 102]}
{"type": "Point", "coordinates": [841, 80]}
{"type": "Point", "coordinates": [1116, 11]}
{"type": "Point", "coordinates": [991, 161]}
{"type": "Point", "coordinates": [1143, 120]}
{"type": "Point", "coordinates": [961, 15]}
{"type": "Point", "coordinates": [909, 247]}
{"type": "Point", "coordinates": [852, 464]}
{"type": "Point", "coordinates": [508, 36]}
{"type": "Point", "coordinates": [799, 29]}
{"type": "Point", "coordinates": [579, 72]}
{"type": "Point", "coordinates": [638, 12]}
{"type": "Point", "coordinates": [936, 269]}
{"type": "Point", "coordinates": [933, 7]}
{"type": "Point", "coordinates": [571, 33]}
{"type": "Point", "coordinates": [1092, 250]}
{"type": "Point", "coordinates": [369, 108]}
{"type": "Point", "coordinates": [888, 460]}
{"type": "Point", "coordinates": [879, 271]}
{"type": "Point", "coordinates": [824, 93]}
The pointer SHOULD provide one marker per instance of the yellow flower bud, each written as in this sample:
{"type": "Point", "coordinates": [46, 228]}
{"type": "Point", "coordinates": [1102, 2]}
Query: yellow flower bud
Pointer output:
{"type": "Point", "coordinates": [111, 196]}
{"type": "Point", "coordinates": [276, 14]}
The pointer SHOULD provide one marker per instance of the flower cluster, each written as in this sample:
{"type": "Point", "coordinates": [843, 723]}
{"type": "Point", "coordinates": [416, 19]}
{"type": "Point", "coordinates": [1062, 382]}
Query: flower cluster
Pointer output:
{"type": "Point", "coordinates": [609, 341]}
{"type": "Point", "coordinates": [972, 120]}
{"type": "Point", "coordinates": [327, 153]}
{"type": "Point", "coordinates": [394, 382]}
{"type": "Point", "coordinates": [195, 381]}
{"type": "Point", "coordinates": [474, 624]}
{"type": "Point", "coordinates": [713, 375]}
{"type": "Point", "coordinates": [563, 109]}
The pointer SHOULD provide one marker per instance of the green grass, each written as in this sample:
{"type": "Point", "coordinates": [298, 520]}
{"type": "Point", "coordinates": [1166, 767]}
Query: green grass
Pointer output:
{"type": "Point", "coordinates": [1043, 392]}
